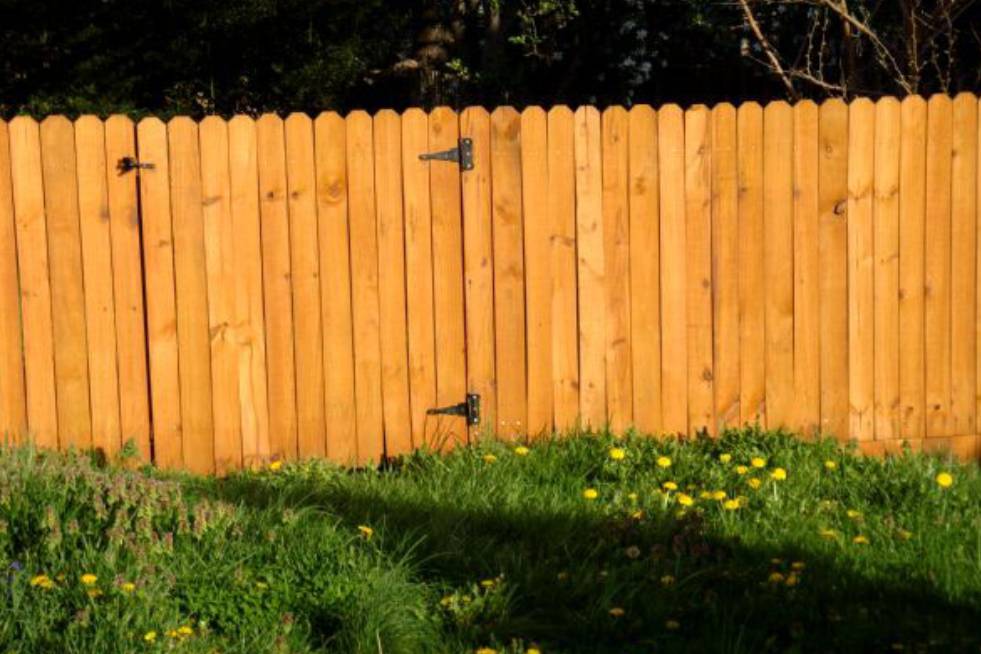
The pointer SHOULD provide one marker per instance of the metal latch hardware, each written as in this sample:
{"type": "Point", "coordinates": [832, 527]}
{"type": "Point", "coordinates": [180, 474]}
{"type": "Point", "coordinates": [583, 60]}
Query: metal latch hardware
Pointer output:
{"type": "Point", "coordinates": [470, 409]}
{"type": "Point", "coordinates": [127, 164]}
{"type": "Point", "coordinates": [462, 154]}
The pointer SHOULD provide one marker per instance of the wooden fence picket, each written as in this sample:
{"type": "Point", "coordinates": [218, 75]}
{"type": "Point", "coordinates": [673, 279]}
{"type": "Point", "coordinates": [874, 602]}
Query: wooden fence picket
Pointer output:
{"type": "Point", "coordinates": [13, 403]}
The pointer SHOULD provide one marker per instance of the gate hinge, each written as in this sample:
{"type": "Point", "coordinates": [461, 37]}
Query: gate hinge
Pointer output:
{"type": "Point", "coordinates": [461, 154]}
{"type": "Point", "coordinates": [470, 409]}
{"type": "Point", "coordinates": [127, 164]}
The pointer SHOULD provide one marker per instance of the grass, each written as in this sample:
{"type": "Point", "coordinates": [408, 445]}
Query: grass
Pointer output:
{"type": "Point", "coordinates": [499, 547]}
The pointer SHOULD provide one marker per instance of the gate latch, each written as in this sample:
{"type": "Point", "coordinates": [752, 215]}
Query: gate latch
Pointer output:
{"type": "Point", "coordinates": [470, 409]}
{"type": "Point", "coordinates": [461, 154]}
{"type": "Point", "coordinates": [127, 164]}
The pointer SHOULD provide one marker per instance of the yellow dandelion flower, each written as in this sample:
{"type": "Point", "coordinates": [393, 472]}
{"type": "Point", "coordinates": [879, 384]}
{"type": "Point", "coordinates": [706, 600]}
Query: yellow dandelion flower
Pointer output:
{"type": "Point", "coordinates": [617, 612]}
{"type": "Point", "coordinates": [533, 650]}
{"type": "Point", "coordinates": [776, 578]}
{"type": "Point", "coordinates": [486, 650]}
{"type": "Point", "coordinates": [798, 565]}
{"type": "Point", "coordinates": [719, 495]}
{"type": "Point", "coordinates": [93, 592]}
{"type": "Point", "coordinates": [725, 458]}
{"type": "Point", "coordinates": [488, 583]}
{"type": "Point", "coordinates": [366, 531]}
{"type": "Point", "coordinates": [669, 486]}
{"type": "Point", "coordinates": [521, 450]}
{"type": "Point", "coordinates": [792, 580]}
{"type": "Point", "coordinates": [903, 534]}
{"type": "Point", "coordinates": [664, 462]}
{"type": "Point", "coordinates": [275, 465]}
{"type": "Point", "coordinates": [489, 458]}
{"type": "Point", "coordinates": [637, 515]}
{"type": "Point", "coordinates": [672, 625]}
{"type": "Point", "coordinates": [618, 453]}
{"type": "Point", "coordinates": [827, 534]}
{"type": "Point", "coordinates": [88, 579]}
{"type": "Point", "coordinates": [685, 500]}
{"type": "Point", "coordinates": [757, 462]}
{"type": "Point", "coordinates": [945, 479]}
{"type": "Point", "coordinates": [42, 581]}
{"type": "Point", "coordinates": [830, 465]}
{"type": "Point", "coordinates": [150, 636]}
{"type": "Point", "coordinates": [731, 505]}
{"type": "Point", "coordinates": [590, 494]}
{"type": "Point", "coordinates": [754, 483]}
{"type": "Point", "coordinates": [853, 514]}
{"type": "Point", "coordinates": [127, 586]}
{"type": "Point", "coordinates": [184, 630]}
{"type": "Point", "coordinates": [667, 581]}
{"type": "Point", "coordinates": [778, 474]}
{"type": "Point", "coordinates": [632, 497]}
{"type": "Point", "coordinates": [741, 470]}
{"type": "Point", "coordinates": [860, 540]}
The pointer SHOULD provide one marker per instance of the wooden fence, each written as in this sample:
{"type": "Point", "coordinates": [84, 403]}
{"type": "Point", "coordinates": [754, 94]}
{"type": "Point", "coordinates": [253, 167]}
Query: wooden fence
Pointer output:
{"type": "Point", "coordinates": [309, 287]}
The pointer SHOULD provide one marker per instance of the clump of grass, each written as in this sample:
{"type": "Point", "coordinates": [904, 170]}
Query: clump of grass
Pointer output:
{"type": "Point", "coordinates": [582, 543]}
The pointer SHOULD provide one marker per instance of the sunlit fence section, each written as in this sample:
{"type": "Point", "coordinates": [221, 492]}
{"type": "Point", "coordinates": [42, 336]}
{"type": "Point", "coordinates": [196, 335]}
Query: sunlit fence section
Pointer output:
{"type": "Point", "coordinates": [226, 292]}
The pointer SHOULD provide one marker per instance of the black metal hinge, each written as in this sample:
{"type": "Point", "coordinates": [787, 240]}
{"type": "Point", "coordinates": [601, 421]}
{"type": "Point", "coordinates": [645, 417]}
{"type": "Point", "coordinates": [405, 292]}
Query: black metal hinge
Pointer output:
{"type": "Point", "coordinates": [461, 154]}
{"type": "Point", "coordinates": [127, 164]}
{"type": "Point", "coordinates": [470, 409]}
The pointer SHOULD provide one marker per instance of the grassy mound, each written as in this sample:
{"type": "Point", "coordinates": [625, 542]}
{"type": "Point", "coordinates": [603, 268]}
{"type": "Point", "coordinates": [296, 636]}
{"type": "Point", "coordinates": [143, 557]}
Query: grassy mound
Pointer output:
{"type": "Point", "coordinates": [586, 543]}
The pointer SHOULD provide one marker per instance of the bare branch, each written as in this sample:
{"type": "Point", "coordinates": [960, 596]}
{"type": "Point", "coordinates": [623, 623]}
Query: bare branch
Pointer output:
{"type": "Point", "coordinates": [770, 51]}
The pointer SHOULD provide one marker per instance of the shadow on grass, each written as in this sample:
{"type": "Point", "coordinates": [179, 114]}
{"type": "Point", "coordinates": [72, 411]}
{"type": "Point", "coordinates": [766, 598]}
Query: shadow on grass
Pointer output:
{"type": "Point", "coordinates": [681, 589]}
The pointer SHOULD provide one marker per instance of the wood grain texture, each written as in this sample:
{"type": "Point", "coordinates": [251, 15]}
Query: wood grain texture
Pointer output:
{"type": "Point", "coordinates": [421, 319]}
{"type": "Point", "coordinates": [330, 134]}
{"type": "Point", "coordinates": [249, 332]}
{"type": "Point", "coordinates": [778, 261]}
{"type": "Point", "coordinates": [478, 258]}
{"type": "Point", "coordinates": [725, 266]}
{"type": "Point", "coordinates": [447, 224]}
{"type": "Point", "coordinates": [752, 338]}
{"type": "Point", "coordinates": [128, 276]}
{"type": "Point", "coordinates": [807, 299]}
{"type": "Point", "coordinates": [591, 268]}
{"type": "Point", "coordinates": [364, 287]}
{"type": "Point", "coordinates": [509, 292]}
{"type": "Point", "coordinates": [392, 283]}
{"type": "Point", "coordinates": [67, 286]}
{"type": "Point", "coordinates": [963, 261]}
{"type": "Point", "coordinates": [616, 257]}
{"type": "Point", "coordinates": [161, 298]}
{"type": "Point", "coordinates": [277, 287]}
{"type": "Point", "coordinates": [538, 270]}
{"type": "Point", "coordinates": [861, 287]}
{"type": "Point", "coordinates": [219, 254]}
{"type": "Point", "coordinates": [698, 251]}
{"type": "Point", "coordinates": [100, 305]}
{"type": "Point", "coordinates": [308, 352]}
{"type": "Point", "coordinates": [645, 264]}
{"type": "Point", "coordinates": [674, 323]}
{"type": "Point", "coordinates": [13, 399]}
{"type": "Point", "coordinates": [564, 301]}
{"type": "Point", "coordinates": [912, 233]}
{"type": "Point", "coordinates": [885, 239]}
{"type": "Point", "coordinates": [190, 277]}
{"type": "Point", "coordinates": [832, 255]}
{"type": "Point", "coordinates": [937, 272]}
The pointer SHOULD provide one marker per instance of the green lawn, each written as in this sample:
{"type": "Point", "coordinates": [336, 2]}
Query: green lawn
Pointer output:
{"type": "Point", "coordinates": [502, 548]}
